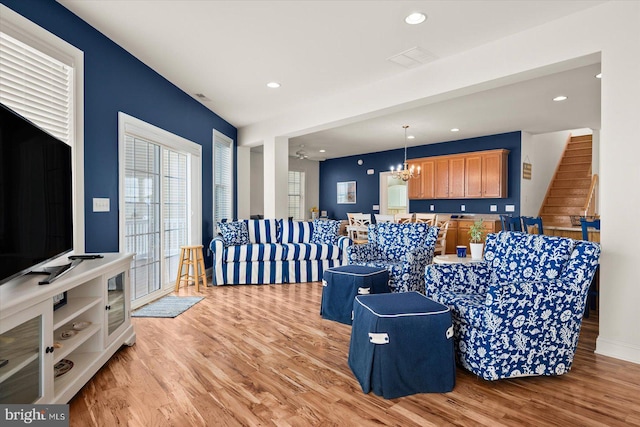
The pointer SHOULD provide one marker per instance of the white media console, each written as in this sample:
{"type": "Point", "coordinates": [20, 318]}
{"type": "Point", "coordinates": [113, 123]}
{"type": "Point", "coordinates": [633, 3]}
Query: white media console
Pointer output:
{"type": "Point", "coordinates": [55, 337]}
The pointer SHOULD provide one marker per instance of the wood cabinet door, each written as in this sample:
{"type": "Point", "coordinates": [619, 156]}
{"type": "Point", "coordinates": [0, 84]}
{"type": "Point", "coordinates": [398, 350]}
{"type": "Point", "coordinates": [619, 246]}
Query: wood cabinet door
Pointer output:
{"type": "Point", "coordinates": [441, 176]}
{"type": "Point", "coordinates": [473, 176]}
{"type": "Point", "coordinates": [428, 180]}
{"type": "Point", "coordinates": [414, 185]}
{"type": "Point", "coordinates": [494, 175]}
{"type": "Point", "coordinates": [452, 237]}
{"type": "Point", "coordinates": [456, 177]}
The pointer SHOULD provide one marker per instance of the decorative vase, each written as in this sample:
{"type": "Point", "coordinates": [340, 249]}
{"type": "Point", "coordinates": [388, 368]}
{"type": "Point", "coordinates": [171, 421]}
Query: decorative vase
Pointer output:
{"type": "Point", "coordinates": [476, 250]}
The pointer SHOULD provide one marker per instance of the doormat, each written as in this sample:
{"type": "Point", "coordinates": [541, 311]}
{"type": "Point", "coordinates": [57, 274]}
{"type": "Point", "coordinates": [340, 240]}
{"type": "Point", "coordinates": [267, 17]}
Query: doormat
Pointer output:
{"type": "Point", "coordinates": [169, 306]}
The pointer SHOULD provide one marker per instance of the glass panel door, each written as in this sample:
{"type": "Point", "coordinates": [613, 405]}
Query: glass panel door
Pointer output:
{"type": "Point", "coordinates": [142, 206]}
{"type": "Point", "coordinates": [20, 362]}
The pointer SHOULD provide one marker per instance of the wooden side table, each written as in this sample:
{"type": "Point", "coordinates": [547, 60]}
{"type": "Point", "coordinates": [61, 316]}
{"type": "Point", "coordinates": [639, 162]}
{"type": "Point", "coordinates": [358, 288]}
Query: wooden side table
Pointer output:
{"type": "Point", "coordinates": [191, 257]}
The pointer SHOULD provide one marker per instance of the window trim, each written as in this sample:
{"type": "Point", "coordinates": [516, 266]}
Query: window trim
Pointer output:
{"type": "Point", "coordinates": [20, 28]}
{"type": "Point", "coordinates": [217, 135]}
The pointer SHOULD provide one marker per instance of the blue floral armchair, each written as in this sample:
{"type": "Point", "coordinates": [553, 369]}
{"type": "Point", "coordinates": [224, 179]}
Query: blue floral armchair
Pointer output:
{"type": "Point", "coordinates": [403, 249]}
{"type": "Point", "coordinates": [517, 313]}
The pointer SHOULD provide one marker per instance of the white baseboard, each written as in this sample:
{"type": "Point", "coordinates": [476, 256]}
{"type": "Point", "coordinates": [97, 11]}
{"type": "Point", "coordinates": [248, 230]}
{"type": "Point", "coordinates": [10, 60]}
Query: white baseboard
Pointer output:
{"type": "Point", "coordinates": [619, 350]}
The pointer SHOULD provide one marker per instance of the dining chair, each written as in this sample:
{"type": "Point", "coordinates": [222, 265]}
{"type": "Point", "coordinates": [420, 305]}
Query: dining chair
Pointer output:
{"type": "Point", "coordinates": [350, 230]}
{"type": "Point", "coordinates": [426, 218]}
{"type": "Point", "coordinates": [361, 228]}
{"type": "Point", "coordinates": [528, 221]}
{"type": "Point", "coordinates": [403, 218]}
{"type": "Point", "coordinates": [592, 295]}
{"type": "Point", "coordinates": [441, 241]}
{"type": "Point", "coordinates": [510, 223]}
{"type": "Point", "coordinates": [381, 218]}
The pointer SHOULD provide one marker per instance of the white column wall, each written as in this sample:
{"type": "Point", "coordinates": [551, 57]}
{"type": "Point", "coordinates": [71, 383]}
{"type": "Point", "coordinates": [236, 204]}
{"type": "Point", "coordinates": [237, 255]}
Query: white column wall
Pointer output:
{"type": "Point", "coordinates": [611, 32]}
{"type": "Point", "coordinates": [244, 182]}
{"type": "Point", "coordinates": [276, 172]}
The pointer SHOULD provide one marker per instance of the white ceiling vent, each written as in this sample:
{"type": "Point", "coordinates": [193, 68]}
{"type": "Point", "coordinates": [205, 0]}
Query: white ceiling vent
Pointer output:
{"type": "Point", "coordinates": [413, 57]}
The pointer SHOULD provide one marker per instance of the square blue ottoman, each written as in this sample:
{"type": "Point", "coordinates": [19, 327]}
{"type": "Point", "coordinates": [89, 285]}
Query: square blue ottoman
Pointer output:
{"type": "Point", "coordinates": [402, 344]}
{"type": "Point", "coordinates": [342, 284]}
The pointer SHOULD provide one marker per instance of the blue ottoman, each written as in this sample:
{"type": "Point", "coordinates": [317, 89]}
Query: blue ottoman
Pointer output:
{"type": "Point", "coordinates": [342, 284]}
{"type": "Point", "coordinates": [402, 344]}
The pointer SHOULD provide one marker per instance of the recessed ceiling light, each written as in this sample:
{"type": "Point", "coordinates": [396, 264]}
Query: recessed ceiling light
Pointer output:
{"type": "Point", "coordinates": [455, 130]}
{"type": "Point", "coordinates": [273, 85]}
{"type": "Point", "coordinates": [599, 76]}
{"type": "Point", "coordinates": [560, 98]}
{"type": "Point", "coordinates": [415, 18]}
{"type": "Point", "coordinates": [323, 150]}
{"type": "Point", "coordinates": [411, 137]}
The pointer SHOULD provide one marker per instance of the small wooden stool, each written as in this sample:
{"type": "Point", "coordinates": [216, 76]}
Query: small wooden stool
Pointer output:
{"type": "Point", "coordinates": [191, 256]}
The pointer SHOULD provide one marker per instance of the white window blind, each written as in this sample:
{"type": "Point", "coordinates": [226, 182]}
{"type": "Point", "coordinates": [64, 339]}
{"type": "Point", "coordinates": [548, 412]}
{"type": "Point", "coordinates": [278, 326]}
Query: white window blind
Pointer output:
{"type": "Point", "coordinates": [222, 180]}
{"type": "Point", "coordinates": [36, 86]}
{"type": "Point", "coordinates": [296, 195]}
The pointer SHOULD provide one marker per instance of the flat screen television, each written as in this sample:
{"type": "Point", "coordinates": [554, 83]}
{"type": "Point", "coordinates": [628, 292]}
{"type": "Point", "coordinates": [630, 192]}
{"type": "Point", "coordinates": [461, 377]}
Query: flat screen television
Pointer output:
{"type": "Point", "coordinates": [36, 212]}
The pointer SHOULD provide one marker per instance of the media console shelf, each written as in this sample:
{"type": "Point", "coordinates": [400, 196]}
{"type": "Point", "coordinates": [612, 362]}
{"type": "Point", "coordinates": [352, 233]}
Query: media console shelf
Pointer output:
{"type": "Point", "coordinates": [78, 337]}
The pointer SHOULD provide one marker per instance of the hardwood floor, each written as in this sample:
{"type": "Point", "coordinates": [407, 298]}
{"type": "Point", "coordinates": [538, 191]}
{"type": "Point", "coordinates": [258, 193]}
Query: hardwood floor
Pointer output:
{"type": "Point", "coordinates": [262, 355]}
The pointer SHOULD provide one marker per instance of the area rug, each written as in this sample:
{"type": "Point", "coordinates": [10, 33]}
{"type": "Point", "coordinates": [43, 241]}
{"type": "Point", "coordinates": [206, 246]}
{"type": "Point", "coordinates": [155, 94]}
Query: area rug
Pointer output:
{"type": "Point", "coordinates": [169, 306]}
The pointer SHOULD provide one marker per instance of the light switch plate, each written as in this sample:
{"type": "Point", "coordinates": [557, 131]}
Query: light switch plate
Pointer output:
{"type": "Point", "coordinates": [509, 208]}
{"type": "Point", "coordinates": [493, 208]}
{"type": "Point", "coordinates": [101, 204]}
{"type": "Point", "coordinates": [432, 208]}
{"type": "Point", "coordinates": [463, 208]}
{"type": "Point", "coordinates": [370, 171]}
{"type": "Point", "coordinates": [376, 207]}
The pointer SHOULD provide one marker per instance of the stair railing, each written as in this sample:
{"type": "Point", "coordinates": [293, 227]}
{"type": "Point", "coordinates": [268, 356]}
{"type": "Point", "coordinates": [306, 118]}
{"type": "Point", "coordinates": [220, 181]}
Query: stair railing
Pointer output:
{"type": "Point", "coordinates": [591, 203]}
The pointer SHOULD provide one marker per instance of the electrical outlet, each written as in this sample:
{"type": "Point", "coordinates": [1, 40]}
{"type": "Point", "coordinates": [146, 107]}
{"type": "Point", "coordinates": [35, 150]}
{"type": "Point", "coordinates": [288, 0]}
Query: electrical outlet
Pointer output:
{"type": "Point", "coordinates": [463, 208]}
{"type": "Point", "coordinates": [493, 208]}
{"type": "Point", "coordinates": [376, 207]}
{"type": "Point", "coordinates": [432, 208]}
{"type": "Point", "coordinates": [509, 208]}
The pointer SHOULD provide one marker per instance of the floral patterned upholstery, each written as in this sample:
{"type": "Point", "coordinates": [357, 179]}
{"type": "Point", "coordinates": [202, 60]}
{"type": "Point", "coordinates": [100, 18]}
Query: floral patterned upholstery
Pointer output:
{"type": "Point", "coordinates": [519, 312]}
{"type": "Point", "coordinates": [403, 249]}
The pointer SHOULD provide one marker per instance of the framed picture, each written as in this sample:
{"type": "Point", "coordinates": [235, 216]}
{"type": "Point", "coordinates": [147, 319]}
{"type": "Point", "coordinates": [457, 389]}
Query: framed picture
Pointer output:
{"type": "Point", "coordinates": [347, 192]}
{"type": "Point", "coordinates": [59, 300]}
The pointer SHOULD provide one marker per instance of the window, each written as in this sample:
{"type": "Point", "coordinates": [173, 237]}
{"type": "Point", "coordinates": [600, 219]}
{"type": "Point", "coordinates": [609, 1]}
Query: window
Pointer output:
{"type": "Point", "coordinates": [41, 78]}
{"type": "Point", "coordinates": [222, 178]}
{"type": "Point", "coordinates": [160, 190]}
{"type": "Point", "coordinates": [296, 195]}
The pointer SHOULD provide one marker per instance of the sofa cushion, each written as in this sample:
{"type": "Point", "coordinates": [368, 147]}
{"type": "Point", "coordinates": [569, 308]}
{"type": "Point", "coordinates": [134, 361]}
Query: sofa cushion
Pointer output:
{"type": "Point", "coordinates": [325, 232]}
{"type": "Point", "coordinates": [234, 232]}
{"type": "Point", "coordinates": [262, 230]}
{"type": "Point", "coordinates": [254, 252]}
{"type": "Point", "coordinates": [515, 256]}
{"type": "Point", "coordinates": [294, 231]}
{"type": "Point", "coordinates": [311, 251]}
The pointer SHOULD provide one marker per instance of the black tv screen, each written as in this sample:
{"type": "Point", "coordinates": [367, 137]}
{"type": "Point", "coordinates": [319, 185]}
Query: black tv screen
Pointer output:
{"type": "Point", "coordinates": [36, 212]}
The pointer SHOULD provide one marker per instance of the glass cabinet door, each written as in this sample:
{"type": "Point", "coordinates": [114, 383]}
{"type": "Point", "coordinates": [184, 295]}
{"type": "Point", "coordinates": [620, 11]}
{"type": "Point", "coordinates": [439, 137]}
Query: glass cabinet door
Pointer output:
{"type": "Point", "coordinates": [21, 356]}
{"type": "Point", "coordinates": [116, 303]}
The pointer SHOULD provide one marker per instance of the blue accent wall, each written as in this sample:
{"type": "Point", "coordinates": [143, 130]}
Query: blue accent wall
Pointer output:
{"type": "Point", "coordinates": [114, 81]}
{"type": "Point", "coordinates": [368, 186]}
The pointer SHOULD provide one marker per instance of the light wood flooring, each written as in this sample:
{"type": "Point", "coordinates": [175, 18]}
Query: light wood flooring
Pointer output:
{"type": "Point", "coordinates": [262, 356]}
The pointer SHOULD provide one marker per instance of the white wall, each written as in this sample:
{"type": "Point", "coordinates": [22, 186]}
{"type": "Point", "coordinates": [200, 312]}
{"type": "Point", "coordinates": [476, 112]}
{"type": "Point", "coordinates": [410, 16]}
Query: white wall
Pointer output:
{"type": "Point", "coordinates": [544, 152]}
{"type": "Point", "coordinates": [311, 168]}
{"type": "Point", "coordinates": [257, 184]}
{"type": "Point", "coordinates": [609, 32]}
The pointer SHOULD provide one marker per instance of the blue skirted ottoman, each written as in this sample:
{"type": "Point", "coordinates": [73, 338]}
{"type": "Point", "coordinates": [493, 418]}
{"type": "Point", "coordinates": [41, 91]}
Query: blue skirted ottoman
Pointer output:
{"type": "Point", "coordinates": [402, 344]}
{"type": "Point", "coordinates": [342, 284]}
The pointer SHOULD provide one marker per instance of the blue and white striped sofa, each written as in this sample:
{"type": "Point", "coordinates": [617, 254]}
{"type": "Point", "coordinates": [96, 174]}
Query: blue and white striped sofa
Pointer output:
{"type": "Point", "coordinates": [277, 251]}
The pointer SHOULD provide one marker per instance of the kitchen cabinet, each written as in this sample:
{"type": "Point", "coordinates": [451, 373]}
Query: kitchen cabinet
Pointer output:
{"type": "Point", "coordinates": [424, 186]}
{"type": "Point", "coordinates": [481, 174]}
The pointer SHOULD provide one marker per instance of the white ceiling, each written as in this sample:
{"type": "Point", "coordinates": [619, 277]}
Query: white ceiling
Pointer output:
{"type": "Point", "coordinates": [229, 50]}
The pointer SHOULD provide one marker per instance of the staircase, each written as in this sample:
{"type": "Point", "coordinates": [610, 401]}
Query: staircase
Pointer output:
{"type": "Point", "coordinates": [569, 189]}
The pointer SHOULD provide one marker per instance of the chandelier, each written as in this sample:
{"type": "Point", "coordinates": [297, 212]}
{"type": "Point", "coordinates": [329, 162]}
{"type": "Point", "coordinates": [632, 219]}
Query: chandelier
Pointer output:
{"type": "Point", "coordinates": [404, 172]}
